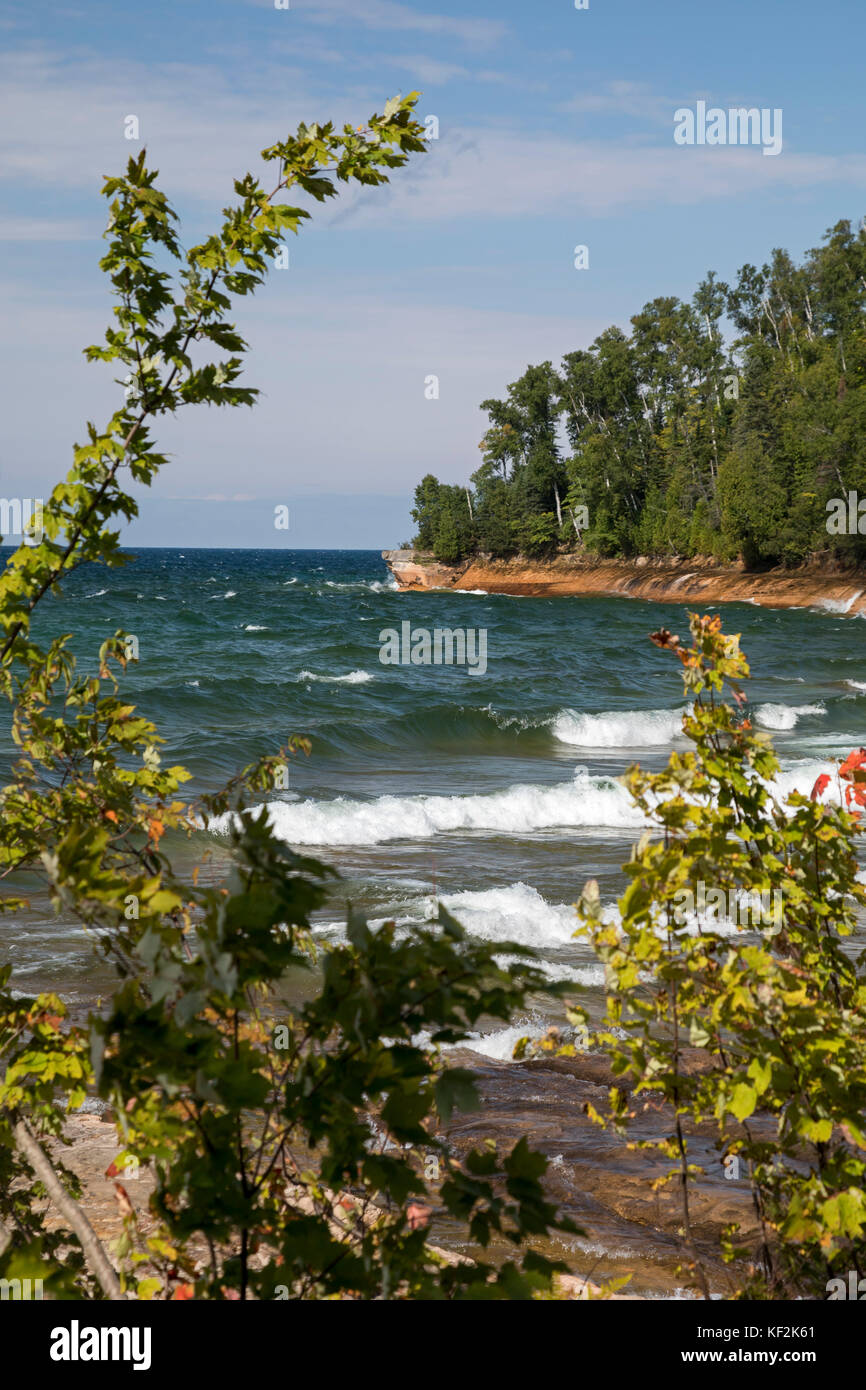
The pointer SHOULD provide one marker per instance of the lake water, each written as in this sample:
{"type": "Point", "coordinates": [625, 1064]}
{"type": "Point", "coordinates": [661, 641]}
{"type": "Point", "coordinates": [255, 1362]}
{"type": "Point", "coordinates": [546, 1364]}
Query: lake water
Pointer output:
{"type": "Point", "coordinates": [495, 791]}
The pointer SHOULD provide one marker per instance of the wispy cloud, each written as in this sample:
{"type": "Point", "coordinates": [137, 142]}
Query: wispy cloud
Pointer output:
{"type": "Point", "coordinates": [622, 98]}
{"type": "Point", "coordinates": [472, 174]}
{"type": "Point", "coordinates": [368, 352]}
{"type": "Point", "coordinates": [430, 72]}
{"type": "Point", "coordinates": [61, 125]}
{"type": "Point", "coordinates": [62, 119]}
{"type": "Point", "coordinates": [46, 229]}
{"type": "Point", "coordinates": [388, 14]}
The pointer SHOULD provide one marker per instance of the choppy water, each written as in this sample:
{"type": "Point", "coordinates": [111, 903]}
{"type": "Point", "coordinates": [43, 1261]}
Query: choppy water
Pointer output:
{"type": "Point", "coordinates": [496, 792]}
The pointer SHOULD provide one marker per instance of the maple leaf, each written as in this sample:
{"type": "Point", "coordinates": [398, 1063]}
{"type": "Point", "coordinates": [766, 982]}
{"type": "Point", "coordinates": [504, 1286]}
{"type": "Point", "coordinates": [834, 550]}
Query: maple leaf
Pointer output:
{"type": "Point", "coordinates": [853, 761]}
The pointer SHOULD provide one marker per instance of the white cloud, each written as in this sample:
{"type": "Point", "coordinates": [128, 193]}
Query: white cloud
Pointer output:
{"type": "Point", "coordinates": [509, 174]}
{"type": "Point", "coordinates": [46, 229]}
{"type": "Point", "coordinates": [61, 127]}
{"type": "Point", "coordinates": [430, 72]}
{"type": "Point", "coordinates": [62, 119]}
{"type": "Point", "coordinates": [386, 14]}
{"type": "Point", "coordinates": [342, 379]}
{"type": "Point", "coordinates": [623, 98]}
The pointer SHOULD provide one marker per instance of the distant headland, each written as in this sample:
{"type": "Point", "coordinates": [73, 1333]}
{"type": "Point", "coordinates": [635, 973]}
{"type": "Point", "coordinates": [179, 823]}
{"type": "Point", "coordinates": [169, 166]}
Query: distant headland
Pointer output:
{"type": "Point", "coordinates": [822, 584]}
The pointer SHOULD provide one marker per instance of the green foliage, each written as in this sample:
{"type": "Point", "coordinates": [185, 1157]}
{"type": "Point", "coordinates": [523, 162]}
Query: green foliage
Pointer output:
{"type": "Point", "coordinates": [685, 440]}
{"type": "Point", "coordinates": [284, 1141]}
{"type": "Point", "coordinates": [778, 1014]}
{"type": "Point", "coordinates": [445, 520]}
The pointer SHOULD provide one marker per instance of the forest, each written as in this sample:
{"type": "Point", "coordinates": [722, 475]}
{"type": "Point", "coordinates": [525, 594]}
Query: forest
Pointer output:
{"type": "Point", "coordinates": [731, 427]}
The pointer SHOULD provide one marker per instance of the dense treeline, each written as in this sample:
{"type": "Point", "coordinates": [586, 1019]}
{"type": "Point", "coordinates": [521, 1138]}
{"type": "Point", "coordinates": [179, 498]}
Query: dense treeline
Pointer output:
{"type": "Point", "coordinates": [722, 427]}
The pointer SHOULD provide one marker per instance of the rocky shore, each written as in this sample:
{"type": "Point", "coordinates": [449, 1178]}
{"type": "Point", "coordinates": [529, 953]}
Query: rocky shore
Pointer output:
{"type": "Point", "coordinates": [699, 580]}
{"type": "Point", "coordinates": [630, 1227]}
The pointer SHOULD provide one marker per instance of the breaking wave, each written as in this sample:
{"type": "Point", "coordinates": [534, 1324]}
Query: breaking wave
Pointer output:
{"type": "Point", "coordinates": [619, 729]}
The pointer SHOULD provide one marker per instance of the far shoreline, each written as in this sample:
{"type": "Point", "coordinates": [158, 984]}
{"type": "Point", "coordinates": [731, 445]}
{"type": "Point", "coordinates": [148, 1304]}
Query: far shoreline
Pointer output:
{"type": "Point", "coordinates": [837, 589]}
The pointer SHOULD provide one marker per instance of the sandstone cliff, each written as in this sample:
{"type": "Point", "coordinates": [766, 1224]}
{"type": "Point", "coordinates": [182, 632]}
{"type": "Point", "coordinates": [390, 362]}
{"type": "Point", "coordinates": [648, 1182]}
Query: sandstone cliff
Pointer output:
{"type": "Point", "coordinates": [664, 581]}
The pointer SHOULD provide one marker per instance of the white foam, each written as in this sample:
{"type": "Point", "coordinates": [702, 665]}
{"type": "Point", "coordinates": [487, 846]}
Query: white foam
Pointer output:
{"type": "Point", "coordinates": [857, 685]}
{"type": "Point", "coordinates": [255, 627]}
{"type": "Point", "coordinates": [516, 913]}
{"type": "Point", "coordinates": [501, 1043]}
{"type": "Point", "coordinates": [654, 727]}
{"type": "Point", "coordinates": [584, 802]}
{"type": "Point", "coordinates": [518, 810]}
{"type": "Point", "coordinates": [802, 776]}
{"type": "Point", "coordinates": [353, 678]}
{"type": "Point", "coordinates": [618, 729]}
{"type": "Point", "coordinates": [839, 605]}
{"type": "Point", "coordinates": [373, 586]}
{"type": "Point", "coordinates": [784, 717]}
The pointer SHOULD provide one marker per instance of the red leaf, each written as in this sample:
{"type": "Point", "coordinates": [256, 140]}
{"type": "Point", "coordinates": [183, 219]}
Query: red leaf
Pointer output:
{"type": "Point", "coordinates": [822, 782]}
{"type": "Point", "coordinates": [853, 760]}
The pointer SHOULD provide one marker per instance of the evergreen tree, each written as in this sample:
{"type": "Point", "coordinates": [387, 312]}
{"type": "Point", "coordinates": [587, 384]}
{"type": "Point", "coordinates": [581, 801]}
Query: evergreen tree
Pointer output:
{"type": "Point", "coordinates": [725, 426]}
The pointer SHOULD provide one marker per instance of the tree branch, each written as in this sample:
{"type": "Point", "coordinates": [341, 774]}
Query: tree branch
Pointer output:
{"type": "Point", "coordinates": [71, 1212]}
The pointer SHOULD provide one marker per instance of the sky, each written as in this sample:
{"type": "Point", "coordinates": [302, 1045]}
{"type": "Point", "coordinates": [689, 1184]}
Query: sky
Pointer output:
{"type": "Point", "coordinates": [555, 129]}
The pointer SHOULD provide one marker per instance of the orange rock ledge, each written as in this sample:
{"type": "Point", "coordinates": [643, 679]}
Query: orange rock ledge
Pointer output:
{"type": "Point", "coordinates": [834, 587]}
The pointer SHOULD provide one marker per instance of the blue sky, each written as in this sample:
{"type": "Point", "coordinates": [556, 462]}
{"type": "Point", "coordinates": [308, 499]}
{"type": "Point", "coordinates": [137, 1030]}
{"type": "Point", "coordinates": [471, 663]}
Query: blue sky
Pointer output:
{"type": "Point", "coordinates": [556, 128]}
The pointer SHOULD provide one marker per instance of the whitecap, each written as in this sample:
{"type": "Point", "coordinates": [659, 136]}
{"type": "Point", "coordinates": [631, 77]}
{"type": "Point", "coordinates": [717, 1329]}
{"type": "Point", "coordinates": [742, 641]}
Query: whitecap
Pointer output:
{"type": "Point", "coordinates": [618, 729]}
{"type": "Point", "coordinates": [784, 717]}
{"type": "Point", "coordinates": [584, 802]}
{"type": "Point", "coordinates": [352, 678]}
{"type": "Point", "coordinates": [839, 605]}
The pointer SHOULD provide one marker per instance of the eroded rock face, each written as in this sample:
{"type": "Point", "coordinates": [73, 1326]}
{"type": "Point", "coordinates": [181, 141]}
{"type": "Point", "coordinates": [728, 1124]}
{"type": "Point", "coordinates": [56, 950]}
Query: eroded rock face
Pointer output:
{"type": "Point", "coordinates": [414, 571]}
{"type": "Point", "coordinates": [697, 580]}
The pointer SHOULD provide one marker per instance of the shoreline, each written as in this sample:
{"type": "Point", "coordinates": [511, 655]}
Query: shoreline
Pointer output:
{"type": "Point", "coordinates": [840, 591]}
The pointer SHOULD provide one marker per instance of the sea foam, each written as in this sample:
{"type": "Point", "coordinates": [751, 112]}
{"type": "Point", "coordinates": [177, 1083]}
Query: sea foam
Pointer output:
{"type": "Point", "coordinates": [784, 717]}
{"type": "Point", "coordinates": [585, 802]}
{"type": "Point", "coordinates": [352, 678]}
{"type": "Point", "coordinates": [618, 729]}
{"type": "Point", "coordinates": [522, 809]}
